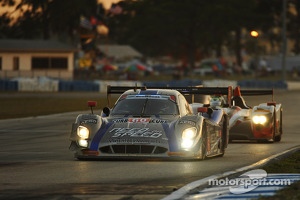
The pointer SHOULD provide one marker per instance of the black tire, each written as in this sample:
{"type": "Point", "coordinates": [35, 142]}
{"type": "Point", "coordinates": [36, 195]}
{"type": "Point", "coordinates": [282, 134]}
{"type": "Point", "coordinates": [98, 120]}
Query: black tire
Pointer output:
{"type": "Point", "coordinates": [203, 144]}
{"type": "Point", "coordinates": [264, 141]}
{"type": "Point", "coordinates": [278, 137]}
{"type": "Point", "coordinates": [274, 128]}
{"type": "Point", "coordinates": [81, 159]}
{"type": "Point", "coordinates": [225, 131]}
{"type": "Point", "coordinates": [224, 138]}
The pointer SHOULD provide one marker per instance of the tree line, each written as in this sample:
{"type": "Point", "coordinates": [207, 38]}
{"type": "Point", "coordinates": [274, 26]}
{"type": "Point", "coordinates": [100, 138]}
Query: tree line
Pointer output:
{"type": "Point", "coordinates": [187, 30]}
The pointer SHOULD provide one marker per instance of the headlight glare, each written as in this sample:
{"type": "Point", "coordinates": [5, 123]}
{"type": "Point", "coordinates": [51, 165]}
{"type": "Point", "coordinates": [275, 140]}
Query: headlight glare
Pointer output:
{"type": "Point", "coordinates": [189, 133]}
{"type": "Point", "coordinates": [259, 119]}
{"type": "Point", "coordinates": [186, 144]}
{"type": "Point", "coordinates": [188, 136]}
{"type": "Point", "coordinates": [83, 143]}
{"type": "Point", "coordinates": [83, 132]}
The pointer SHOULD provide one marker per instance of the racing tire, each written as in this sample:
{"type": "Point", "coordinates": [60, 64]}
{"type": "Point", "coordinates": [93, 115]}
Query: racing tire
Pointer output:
{"type": "Point", "coordinates": [264, 141]}
{"type": "Point", "coordinates": [224, 138]}
{"type": "Point", "coordinates": [274, 129]}
{"type": "Point", "coordinates": [278, 137]}
{"type": "Point", "coordinates": [203, 145]}
{"type": "Point", "coordinates": [82, 159]}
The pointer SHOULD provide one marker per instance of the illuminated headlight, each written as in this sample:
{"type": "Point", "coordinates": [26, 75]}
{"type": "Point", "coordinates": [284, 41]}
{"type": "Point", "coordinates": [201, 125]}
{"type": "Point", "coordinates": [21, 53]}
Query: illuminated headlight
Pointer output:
{"type": "Point", "coordinates": [188, 136]}
{"type": "Point", "coordinates": [259, 119]}
{"type": "Point", "coordinates": [83, 143]}
{"type": "Point", "coordinates": [83, 132]}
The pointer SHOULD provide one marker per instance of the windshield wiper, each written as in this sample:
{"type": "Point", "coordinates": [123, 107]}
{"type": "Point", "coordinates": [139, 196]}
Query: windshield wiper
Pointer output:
{"type": "Point", "coordinates": [144, 107]}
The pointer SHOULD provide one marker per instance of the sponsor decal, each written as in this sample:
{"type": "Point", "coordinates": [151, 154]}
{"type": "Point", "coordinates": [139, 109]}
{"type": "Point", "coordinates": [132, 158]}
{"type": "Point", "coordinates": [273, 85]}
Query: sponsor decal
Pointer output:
{"type": "Point", "coordinates": [148, 96]}
{"type": "Point", "coordinates": [89, 121]}
{"type": "Point", "coordinates": [187, 122]}
{"type": "Point", "coordinates": [158, 121]}
{"type": "Point", "coordinates": [120, 120]}
{"type": "Point", "coordinates": [140, 120]}
{"type": "Point", "coordinates": [135, 132]}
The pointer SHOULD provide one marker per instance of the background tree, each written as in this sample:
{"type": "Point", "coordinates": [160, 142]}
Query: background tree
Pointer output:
{"type": "Point", "coordinates": [186, 30]}
{"type": "Point", "coordinates": [47, 18]}
{"type": "Point", "coordinates": [183, 28]}
{"type": "Point", "coordinates": [294, 24]}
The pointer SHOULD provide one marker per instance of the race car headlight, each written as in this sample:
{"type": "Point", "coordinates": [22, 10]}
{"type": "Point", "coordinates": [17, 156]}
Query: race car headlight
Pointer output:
{"type": "Point", "coordinates": [83, 132]}
{"type": "Point", "coordinates": [189, 133]}
{"type": "Point", "coordinates": [259, 119]}
{"type": "Point", "coordinates": [83, 143]}
{"type": "Point", "coordinates": [188, 136]}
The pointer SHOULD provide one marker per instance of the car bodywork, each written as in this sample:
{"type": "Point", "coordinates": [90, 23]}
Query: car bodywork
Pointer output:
{"type": "Point", "coordinates": [262, 122]}
{"type": "Point", "coordinates": [152, 123]}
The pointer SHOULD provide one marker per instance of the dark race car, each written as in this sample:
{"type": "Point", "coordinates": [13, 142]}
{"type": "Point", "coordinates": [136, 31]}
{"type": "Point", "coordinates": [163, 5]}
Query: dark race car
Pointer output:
{"type": "Point", "coordinates": [262, 122]}
{"type": "Point", "coordinates": [152, 123]}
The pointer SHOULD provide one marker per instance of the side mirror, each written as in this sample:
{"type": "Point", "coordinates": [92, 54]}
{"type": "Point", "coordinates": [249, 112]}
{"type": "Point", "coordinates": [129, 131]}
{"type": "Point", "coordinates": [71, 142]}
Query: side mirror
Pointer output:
{"type": "Point", "coordinates": [92, 104]}
{"type": "Point", "coordinates": [207, 110]}
{"type": "Point", "coordinates": [271, 104]}
{"type": "Point", "coordinates": [106, 111]}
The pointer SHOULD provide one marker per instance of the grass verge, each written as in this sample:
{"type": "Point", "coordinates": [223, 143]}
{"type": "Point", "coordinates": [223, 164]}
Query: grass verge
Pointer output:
{"type": "Point", "coordinates": [18, 105]}
{"type": "Point", "coordinates": [289, 164]}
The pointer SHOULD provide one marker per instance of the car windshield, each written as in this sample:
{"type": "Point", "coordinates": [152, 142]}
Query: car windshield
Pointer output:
{"type": "Point", "coordinates": [145, 106]}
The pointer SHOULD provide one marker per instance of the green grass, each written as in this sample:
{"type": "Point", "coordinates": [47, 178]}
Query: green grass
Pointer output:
{"type": "Point", "coordinates": [290, 164]}
{"type": "Point", "coordinates": [18, 105]}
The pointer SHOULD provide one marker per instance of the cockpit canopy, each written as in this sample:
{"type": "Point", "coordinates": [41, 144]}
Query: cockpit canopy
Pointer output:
{"type": "Point", "coordinates": [145, 105]}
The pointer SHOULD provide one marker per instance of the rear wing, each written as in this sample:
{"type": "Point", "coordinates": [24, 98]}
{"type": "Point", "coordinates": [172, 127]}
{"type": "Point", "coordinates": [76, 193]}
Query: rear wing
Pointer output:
{"type": "Point", "coordinates": [190, 90]}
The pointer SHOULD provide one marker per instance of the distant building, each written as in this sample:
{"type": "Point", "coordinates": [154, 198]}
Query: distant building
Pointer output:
{"type": "Point", "coordinates": [33, 58]}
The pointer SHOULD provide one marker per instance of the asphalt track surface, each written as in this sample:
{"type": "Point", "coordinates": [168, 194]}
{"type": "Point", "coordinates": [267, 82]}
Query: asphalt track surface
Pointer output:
{"type": "Point", "coordinates": [35, 162]}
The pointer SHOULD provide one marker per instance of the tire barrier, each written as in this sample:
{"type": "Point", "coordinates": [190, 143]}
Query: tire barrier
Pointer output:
{"type": "Point", "coordinates": [8, 85]}
{"type": "Point", "coordinates": [219, 83]}
{"type": "Point", "coordinates": [41, 84]}
{"type": "Point", "coordinates": [174, 83]}
{"type": "Point", "coordinates": [78, 86]}
{"type": "Point", "coordinates": [261, 84]}
{"type": "Point", "coordinates": [53, 85]}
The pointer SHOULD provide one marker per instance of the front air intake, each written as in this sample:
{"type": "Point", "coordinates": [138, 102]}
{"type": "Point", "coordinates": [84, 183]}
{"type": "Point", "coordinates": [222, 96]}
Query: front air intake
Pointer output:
{"type": "Point", "coordinates": [133, 149]}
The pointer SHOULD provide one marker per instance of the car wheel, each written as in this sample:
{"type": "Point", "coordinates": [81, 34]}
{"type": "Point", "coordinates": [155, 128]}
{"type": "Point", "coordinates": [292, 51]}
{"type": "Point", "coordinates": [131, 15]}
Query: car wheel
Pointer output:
{"type": "Point", "coordinates": [278, 137]}
{"type": "Point", "coordinates": [224, 137]}
{"type": "Point", "coordinates": [263, 141]}
{"type": "Point", "coordinates": [81, 159]}
{"type": "Point", "coordinates": [203, 145]}
{"type": "Point", "coordinates": [274, 129]}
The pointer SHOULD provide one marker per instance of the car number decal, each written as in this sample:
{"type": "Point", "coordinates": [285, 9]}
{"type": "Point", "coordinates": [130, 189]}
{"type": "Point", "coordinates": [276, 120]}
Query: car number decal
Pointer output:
{"type": "Point", "coordinates": [139, 120]}
{"type": "Point", "coordinates": [135, 132]}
